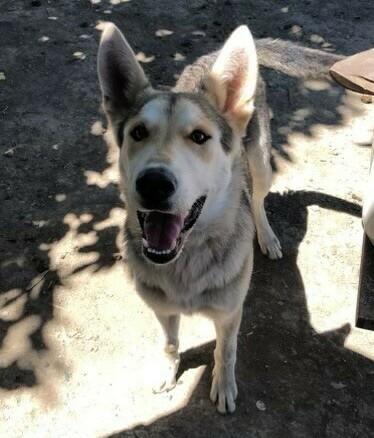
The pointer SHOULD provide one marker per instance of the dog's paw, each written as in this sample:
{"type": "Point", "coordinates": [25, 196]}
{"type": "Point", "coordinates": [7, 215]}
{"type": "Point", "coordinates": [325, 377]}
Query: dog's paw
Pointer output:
{"type": "Point", "coordinates": [224, 390]}
{"type": "Point", "coordinates": [269, 243]}
{"type": "Point", "coordinates": [169, 370]}
{"type": "Point", "coordinates": [165, 386]}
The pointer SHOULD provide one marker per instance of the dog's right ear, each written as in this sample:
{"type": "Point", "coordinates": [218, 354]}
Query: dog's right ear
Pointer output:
{"type": "Point", "coordinates": [232, 81]}
{"type": "Point", "coordinates": [121, 77]}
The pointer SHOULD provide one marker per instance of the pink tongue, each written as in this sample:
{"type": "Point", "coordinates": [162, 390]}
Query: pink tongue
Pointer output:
{"type": "Point", "coordinates": [162, 230]}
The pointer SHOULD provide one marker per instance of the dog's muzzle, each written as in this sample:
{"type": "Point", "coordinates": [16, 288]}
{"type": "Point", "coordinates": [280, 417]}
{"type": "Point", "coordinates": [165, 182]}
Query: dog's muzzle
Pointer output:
{"type": "Point", "coordinates": [164, 234]}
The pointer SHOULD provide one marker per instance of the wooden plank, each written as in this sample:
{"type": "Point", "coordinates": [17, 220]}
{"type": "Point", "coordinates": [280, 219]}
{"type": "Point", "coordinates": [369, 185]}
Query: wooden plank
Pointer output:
{"type": "Point", "coordinates": [365, 302]}
{"type": "Point", "coordinates": [356, 72]}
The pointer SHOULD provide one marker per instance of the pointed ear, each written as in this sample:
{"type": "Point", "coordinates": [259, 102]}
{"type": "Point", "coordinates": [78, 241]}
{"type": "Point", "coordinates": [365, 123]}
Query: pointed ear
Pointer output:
{"type": "Point", "coordinates": [120, 75]}
{"type": "Point", "coordinates": [232, 80]}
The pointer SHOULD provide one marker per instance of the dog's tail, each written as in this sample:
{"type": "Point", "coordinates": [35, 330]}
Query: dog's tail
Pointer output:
{"type": "Point", "coordinates": [293, 59]}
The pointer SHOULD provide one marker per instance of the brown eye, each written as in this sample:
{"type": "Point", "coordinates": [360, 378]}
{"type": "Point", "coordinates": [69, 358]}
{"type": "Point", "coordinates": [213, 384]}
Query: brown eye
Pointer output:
{"type": "Point", "coordinates": [199, 137]}
{"type": "Point", "coordinates": [139, 133]}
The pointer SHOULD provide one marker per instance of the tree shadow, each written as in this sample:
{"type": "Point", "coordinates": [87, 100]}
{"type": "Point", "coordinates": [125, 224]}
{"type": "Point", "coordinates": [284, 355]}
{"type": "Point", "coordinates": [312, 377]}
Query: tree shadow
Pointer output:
{"type": "Point", "coordinates": [30, 272]}
{"type": "Point", "coordinates": [309, 383]}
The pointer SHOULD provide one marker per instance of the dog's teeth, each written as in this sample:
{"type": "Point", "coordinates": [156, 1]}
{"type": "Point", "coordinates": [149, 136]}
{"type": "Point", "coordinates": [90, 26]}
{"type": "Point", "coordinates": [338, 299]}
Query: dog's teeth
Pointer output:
{"type": "Point", "coordinates": [145, 243]}
{"type": "Point", "coordinates": [155, 251]}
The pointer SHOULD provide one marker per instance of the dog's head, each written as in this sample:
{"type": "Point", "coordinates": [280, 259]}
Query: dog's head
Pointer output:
{"type": "Point", "coordinates": [176, 148]}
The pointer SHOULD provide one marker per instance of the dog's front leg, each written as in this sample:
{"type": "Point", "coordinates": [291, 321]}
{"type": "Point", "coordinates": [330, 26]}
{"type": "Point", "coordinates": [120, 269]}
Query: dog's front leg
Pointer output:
{"type": "Point", "coordinates": [170, 326]}
{"type": "Point", "coordinates": [224, 389]}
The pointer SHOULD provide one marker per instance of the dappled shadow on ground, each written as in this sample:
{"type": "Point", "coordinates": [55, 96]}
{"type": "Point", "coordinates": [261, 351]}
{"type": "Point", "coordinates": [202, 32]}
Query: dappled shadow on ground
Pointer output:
{"type": "Point", "coordinates": [308, 382]}
{"type": "Point", "coordinates": [299, 105]}
{"type": "Point", "coordinates": [85, 221]}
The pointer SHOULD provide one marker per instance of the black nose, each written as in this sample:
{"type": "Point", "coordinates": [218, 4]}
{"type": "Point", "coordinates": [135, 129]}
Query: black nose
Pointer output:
{"type": "Point", "coordinates": [155, 186]}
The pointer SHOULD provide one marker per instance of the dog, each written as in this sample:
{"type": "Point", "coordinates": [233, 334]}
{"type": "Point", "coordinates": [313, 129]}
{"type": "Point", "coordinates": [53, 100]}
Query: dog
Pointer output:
{"type": "Point", "coordinates": [195, 170]}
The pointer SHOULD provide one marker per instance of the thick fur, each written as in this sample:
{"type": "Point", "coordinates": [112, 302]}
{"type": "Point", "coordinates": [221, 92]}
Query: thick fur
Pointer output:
{"type": "Point", "coordinates": [212, 272]}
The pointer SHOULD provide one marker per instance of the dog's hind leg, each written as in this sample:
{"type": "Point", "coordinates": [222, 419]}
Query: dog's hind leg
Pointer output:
{"type": "Point", "coordinates": [257, 145]}
{"type": "Point", "coordinates": [170, 326]}
{"type": "Point", "coordinates": [261, 173]}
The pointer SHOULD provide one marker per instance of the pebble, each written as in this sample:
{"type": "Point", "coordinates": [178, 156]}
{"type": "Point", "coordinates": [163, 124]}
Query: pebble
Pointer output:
{"type": "Point", "coordinates": [163, 32]}
{"type": "Point", "coordinates": [337, 385]}
{"type": "Point", "coordinates": [199, 33]}
{"type": "Point", "coordinates": [9, 153]}
{"type": "Point", "coordinates": [179, 57]}
{"type": "Point", "coordinates": [296, 29]}
{"type": "Point", "coordinates": [260, 405]}
{"type": "Point", "coordinates": [142, 57]}
{"type": "Point", "coordinates": [365, 98]}
{"type": "Point", "coordinates": [316, 39]}
{"type": "Point", "coordinates": [79, 55]}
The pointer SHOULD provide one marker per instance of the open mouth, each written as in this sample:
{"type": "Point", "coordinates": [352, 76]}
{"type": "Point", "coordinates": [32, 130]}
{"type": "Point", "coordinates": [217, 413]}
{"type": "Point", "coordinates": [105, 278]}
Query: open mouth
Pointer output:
{"type": "Point", "coordinates": [164, 233]}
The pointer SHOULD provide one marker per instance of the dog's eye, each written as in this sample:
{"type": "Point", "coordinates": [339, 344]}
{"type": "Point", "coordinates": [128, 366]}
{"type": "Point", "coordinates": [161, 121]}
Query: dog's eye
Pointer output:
{"type": "Point", "coordinates": [139, 132]}
{"type": "Point", "coordinates": [199, 137]}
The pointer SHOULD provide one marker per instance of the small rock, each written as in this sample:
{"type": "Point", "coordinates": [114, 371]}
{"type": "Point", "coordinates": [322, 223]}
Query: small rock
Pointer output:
{"type": "Point", "coordinates": [142, 57]}
{"type": "Point", "coordinates": [2, 76]}
{"type": "Point", "coordinates": [296, 29]}
{"type": "Point", "coordinates": [199, 33]}
{"type": "Point", "coordinates": [316, 39]}
{"type": "Point", "coordinates": [9, 153]}
{"type": "Point", "coordinates": [260, 405]}
{"type": "Point", "coordinates": [337, 385]}
{"type": "Point", "coordinates": [179, 57]}
{"type": "Point", "coordinates": [356, 197]}
{"type": "Point", "coordinates": [366, 98]}
{"type": "Point", "coordinates": [79, 55]}
{"type": "Point", "coordinates": [163, 32]}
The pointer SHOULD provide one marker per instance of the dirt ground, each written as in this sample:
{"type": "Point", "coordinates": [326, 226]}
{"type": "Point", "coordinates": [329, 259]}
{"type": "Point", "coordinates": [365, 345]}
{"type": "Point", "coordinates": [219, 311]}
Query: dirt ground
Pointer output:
{"type": "Point", "coordinates": [79, 351]}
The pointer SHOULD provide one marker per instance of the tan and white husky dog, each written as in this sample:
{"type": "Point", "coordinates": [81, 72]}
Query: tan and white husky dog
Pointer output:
{"type": "Point", "coordinates": [195, 170]}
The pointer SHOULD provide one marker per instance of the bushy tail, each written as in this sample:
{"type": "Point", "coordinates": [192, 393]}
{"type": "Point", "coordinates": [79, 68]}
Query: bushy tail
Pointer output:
{"type": "Point", "coordinates": [293, 59]}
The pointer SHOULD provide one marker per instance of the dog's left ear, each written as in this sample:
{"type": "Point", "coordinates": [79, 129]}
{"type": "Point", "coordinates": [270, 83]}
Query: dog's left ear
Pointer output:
{"type": "Point", "coordinates": [232, 80]}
